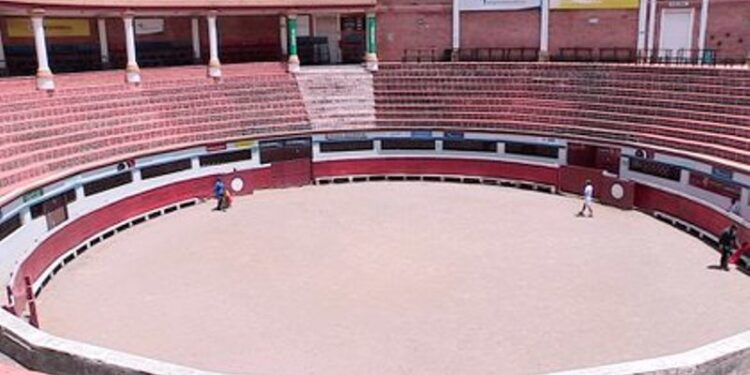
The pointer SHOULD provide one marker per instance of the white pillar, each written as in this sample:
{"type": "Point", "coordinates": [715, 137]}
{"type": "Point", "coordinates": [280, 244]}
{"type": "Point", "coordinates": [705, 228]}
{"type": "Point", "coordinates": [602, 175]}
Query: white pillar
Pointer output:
{"type": "Point", "coordinates": [44, 79]}
{"type": "Point", "coordinates": [282, 35]}
{"type": "Point", "coordinates": [3, 64]}
{"type": "Point", "coordinates": [101, 25]}
{"type": "Point", "coordinates": [194, 27]}
{"type": "Point", "coordinates": [544, 32]}
{"type": "Point", "coordinates": [642, 22]}
{"type": "Point", "coordinates": [703, 30]}
{"type": "Point", "coordinates": [214, 66]}
{"type": "Point", "coordinates": [132, 71]}
{"type": "Point", "coordinates": [456, 26]}
{"type": "Point", "coordinates": [652, 28]}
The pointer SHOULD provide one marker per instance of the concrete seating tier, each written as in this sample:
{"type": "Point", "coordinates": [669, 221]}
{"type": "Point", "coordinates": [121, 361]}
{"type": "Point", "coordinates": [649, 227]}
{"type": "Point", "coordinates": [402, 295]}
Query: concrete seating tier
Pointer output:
{"type": "Point", "coordinates": [87, 123]}
{"type": "Point", "coordinates": [705, 111]}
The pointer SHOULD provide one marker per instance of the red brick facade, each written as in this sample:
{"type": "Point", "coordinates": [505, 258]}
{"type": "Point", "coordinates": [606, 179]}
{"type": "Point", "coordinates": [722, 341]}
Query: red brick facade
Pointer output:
{"type": "Point", "coordinates": [500, 29]}
{"type": "Point", "coordinates": [593, 29]}
{"type": "Point", "coordinates": [427, 24]}
{"type": "Point", "coordinates": [406, 25]}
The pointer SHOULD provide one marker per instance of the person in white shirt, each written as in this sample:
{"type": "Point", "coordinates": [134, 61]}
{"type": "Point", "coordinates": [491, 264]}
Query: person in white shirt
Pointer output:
{"type": "Point", "coordinates": [735, 207]}
{"type": "Point", "coordinates": [588, 199]}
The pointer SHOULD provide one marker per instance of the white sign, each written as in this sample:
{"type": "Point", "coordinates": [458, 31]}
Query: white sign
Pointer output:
{"type": "Point", "coordinates": [499, 4]}
{"type": "Point", "coordinates": [144, 26]}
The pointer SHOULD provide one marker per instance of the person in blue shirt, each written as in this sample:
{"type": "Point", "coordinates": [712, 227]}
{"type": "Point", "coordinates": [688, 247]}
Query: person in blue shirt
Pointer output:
{"type": "Point", "coordinates": [219, 190]}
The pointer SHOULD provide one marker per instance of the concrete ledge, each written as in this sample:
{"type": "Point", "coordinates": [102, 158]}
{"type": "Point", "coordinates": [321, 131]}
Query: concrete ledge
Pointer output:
{"type": "Point", "coordinates": [730, 356]}
{"type": "Point", "coordinates": [41, 351]}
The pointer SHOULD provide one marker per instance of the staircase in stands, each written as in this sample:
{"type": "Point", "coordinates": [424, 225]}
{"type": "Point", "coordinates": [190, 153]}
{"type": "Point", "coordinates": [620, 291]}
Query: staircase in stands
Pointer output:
{"type": "Point", "coordinates": [338, 97]}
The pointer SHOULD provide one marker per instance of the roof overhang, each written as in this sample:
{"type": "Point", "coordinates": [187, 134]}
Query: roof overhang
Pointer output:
{"type": "Point", "coordinates": [181, 7]}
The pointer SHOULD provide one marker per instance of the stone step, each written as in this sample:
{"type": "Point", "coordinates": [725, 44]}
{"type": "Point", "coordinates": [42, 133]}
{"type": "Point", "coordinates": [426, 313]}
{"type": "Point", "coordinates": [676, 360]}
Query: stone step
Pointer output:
{"type": "Point", "coordinates": [338, 97]}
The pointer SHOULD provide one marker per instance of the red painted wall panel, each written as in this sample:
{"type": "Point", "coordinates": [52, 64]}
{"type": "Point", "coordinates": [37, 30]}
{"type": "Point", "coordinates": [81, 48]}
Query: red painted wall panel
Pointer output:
{"type": "Point", "coordinates": [573, 179]}
{"type": "Point", "coordinates": [651, 199]}
{"type": "Point", "coordinates": [485, 168]}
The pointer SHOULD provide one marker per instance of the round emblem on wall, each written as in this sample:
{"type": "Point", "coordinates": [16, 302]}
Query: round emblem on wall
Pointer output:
{"type": "Point", "coordinates": [237, 184]}
{"type": "Point", "coordinates": [617, 191]}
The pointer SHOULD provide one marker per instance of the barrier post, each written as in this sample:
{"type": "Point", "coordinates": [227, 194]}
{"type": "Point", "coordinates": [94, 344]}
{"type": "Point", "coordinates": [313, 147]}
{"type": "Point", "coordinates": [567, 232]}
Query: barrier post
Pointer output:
{"type": "Point", "coordinates": [33, 318]}
{"type": "Point", "coordinates": [11, 307]}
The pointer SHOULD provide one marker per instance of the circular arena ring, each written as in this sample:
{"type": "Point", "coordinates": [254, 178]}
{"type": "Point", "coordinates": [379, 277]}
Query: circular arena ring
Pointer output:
{"type": "Point", "coordinates": [413, 245]}
{"type": "Point", "coordinates": [397, 277]}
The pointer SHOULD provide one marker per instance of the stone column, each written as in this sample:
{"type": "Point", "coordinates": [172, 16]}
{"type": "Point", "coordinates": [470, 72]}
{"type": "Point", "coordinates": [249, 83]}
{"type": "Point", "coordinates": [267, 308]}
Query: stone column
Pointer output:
{"type": "Point", "coordinates": [194, 27]}
{"type": "Point", "coordinates": [702, 33]}
{"type": "Point", "coordinates": [101, 26]}
{"type": "Point", "coordinates": [44, 79]}
{"type": "Point", "coordinates": [371, 58]}
{"type": "Point", "coordinates": [132, 71]}
{"type": "Point", "coordinates": [544, 32]}
{"type": "Point", "coordinates": [214, 66]}
{"type": "Point", "coordinates": [292, 43]}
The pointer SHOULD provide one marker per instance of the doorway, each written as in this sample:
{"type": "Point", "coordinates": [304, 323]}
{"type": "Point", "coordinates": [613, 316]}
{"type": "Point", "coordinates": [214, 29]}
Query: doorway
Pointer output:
{"type": "Point", "coordinates": [352, 38]}
{"type": "Point", "coordinates": [676, 36]}
{"type": "Point", "coordinates": [327, 26]}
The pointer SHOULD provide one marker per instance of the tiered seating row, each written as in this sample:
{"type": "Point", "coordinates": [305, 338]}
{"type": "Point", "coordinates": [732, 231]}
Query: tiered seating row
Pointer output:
{"type": "Point", "coordinates": [706, 113]}
{"type": "Point", "coordinates": [42, 135]}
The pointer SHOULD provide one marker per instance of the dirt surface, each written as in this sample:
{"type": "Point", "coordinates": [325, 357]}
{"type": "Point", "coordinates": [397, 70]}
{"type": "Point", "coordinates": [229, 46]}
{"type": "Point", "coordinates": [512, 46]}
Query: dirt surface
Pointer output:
{"type": "Point", "coordinates": [398, 278]}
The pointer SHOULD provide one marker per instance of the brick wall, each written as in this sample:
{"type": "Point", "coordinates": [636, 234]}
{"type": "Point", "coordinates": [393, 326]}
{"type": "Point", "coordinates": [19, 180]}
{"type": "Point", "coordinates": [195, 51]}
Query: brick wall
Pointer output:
{"type": "Point", "coordinates": [729, 29]}
{"type": "Point", "coordinates": [593, 29]}
{"type": "Point", "coordinates": [500, 29]}
{"type": "Point", "coordinates": [247, 31]}
{"type": "Point", "coordinates": [404, 24]}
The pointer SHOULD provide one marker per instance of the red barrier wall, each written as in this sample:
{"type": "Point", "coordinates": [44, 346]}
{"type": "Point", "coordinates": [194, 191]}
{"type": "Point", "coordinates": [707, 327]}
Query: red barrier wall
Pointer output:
{"type": "Point", "coordinates": [485, 168]}
{"type": "Point", "coordinates": [652, 199]}
{"type": "Point", "coordinates": [573, 179]}
{"type": "Point", "coordinates": [566, 178]}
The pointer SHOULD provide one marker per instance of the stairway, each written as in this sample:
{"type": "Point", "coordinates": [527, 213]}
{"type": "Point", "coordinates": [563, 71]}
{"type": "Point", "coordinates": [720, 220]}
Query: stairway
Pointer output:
{"type": "Point", "coordinates": [338, 97]}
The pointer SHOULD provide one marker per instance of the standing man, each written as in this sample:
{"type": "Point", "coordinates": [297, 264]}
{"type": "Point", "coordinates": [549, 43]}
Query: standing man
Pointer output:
{"type": "Point", "coordinates": [588, 199]}
{"type": "Point", "coordinates": [219, 190]}
{"type": "Point", "coordinates": [727, 242]}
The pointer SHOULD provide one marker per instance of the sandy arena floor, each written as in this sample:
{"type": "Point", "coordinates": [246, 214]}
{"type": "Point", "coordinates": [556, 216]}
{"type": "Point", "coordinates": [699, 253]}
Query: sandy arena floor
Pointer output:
{"type": "Point", "coordinates": [398, 278]}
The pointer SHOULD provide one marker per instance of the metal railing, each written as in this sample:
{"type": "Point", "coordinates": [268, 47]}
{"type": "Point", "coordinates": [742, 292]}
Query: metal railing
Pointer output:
{"type": "Point", "coordinates": [574, 54]}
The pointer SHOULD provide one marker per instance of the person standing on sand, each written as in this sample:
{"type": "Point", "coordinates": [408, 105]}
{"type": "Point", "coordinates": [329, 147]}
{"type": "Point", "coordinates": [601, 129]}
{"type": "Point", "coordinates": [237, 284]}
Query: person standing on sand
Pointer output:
{"type": "Point", "coordinates": [727, 242]}
{"type": "Point", "coordinates": [219, 191]}
{"type": "Point", "coordinates": [588, 199]}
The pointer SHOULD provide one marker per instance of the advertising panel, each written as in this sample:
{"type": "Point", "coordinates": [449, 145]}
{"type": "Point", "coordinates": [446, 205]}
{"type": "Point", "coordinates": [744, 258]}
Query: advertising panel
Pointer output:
{"type": "Point", "coordinates": [469, 5]}
{"type": "Point", "coordinates": [53, 27]}
{"type": "Point", "coordinates": [594, 4]}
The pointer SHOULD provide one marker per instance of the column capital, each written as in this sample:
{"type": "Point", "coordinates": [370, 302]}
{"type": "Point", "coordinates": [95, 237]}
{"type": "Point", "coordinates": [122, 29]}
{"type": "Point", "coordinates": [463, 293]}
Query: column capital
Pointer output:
{"type": "Point", "coordinates": [291, 16]}
{"type": "Point", "coordinates": [212, 13]}
{"type": "Point", "coordinates": [128, 14]}
{"type": "Point", "coordinates": [37, 12]}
